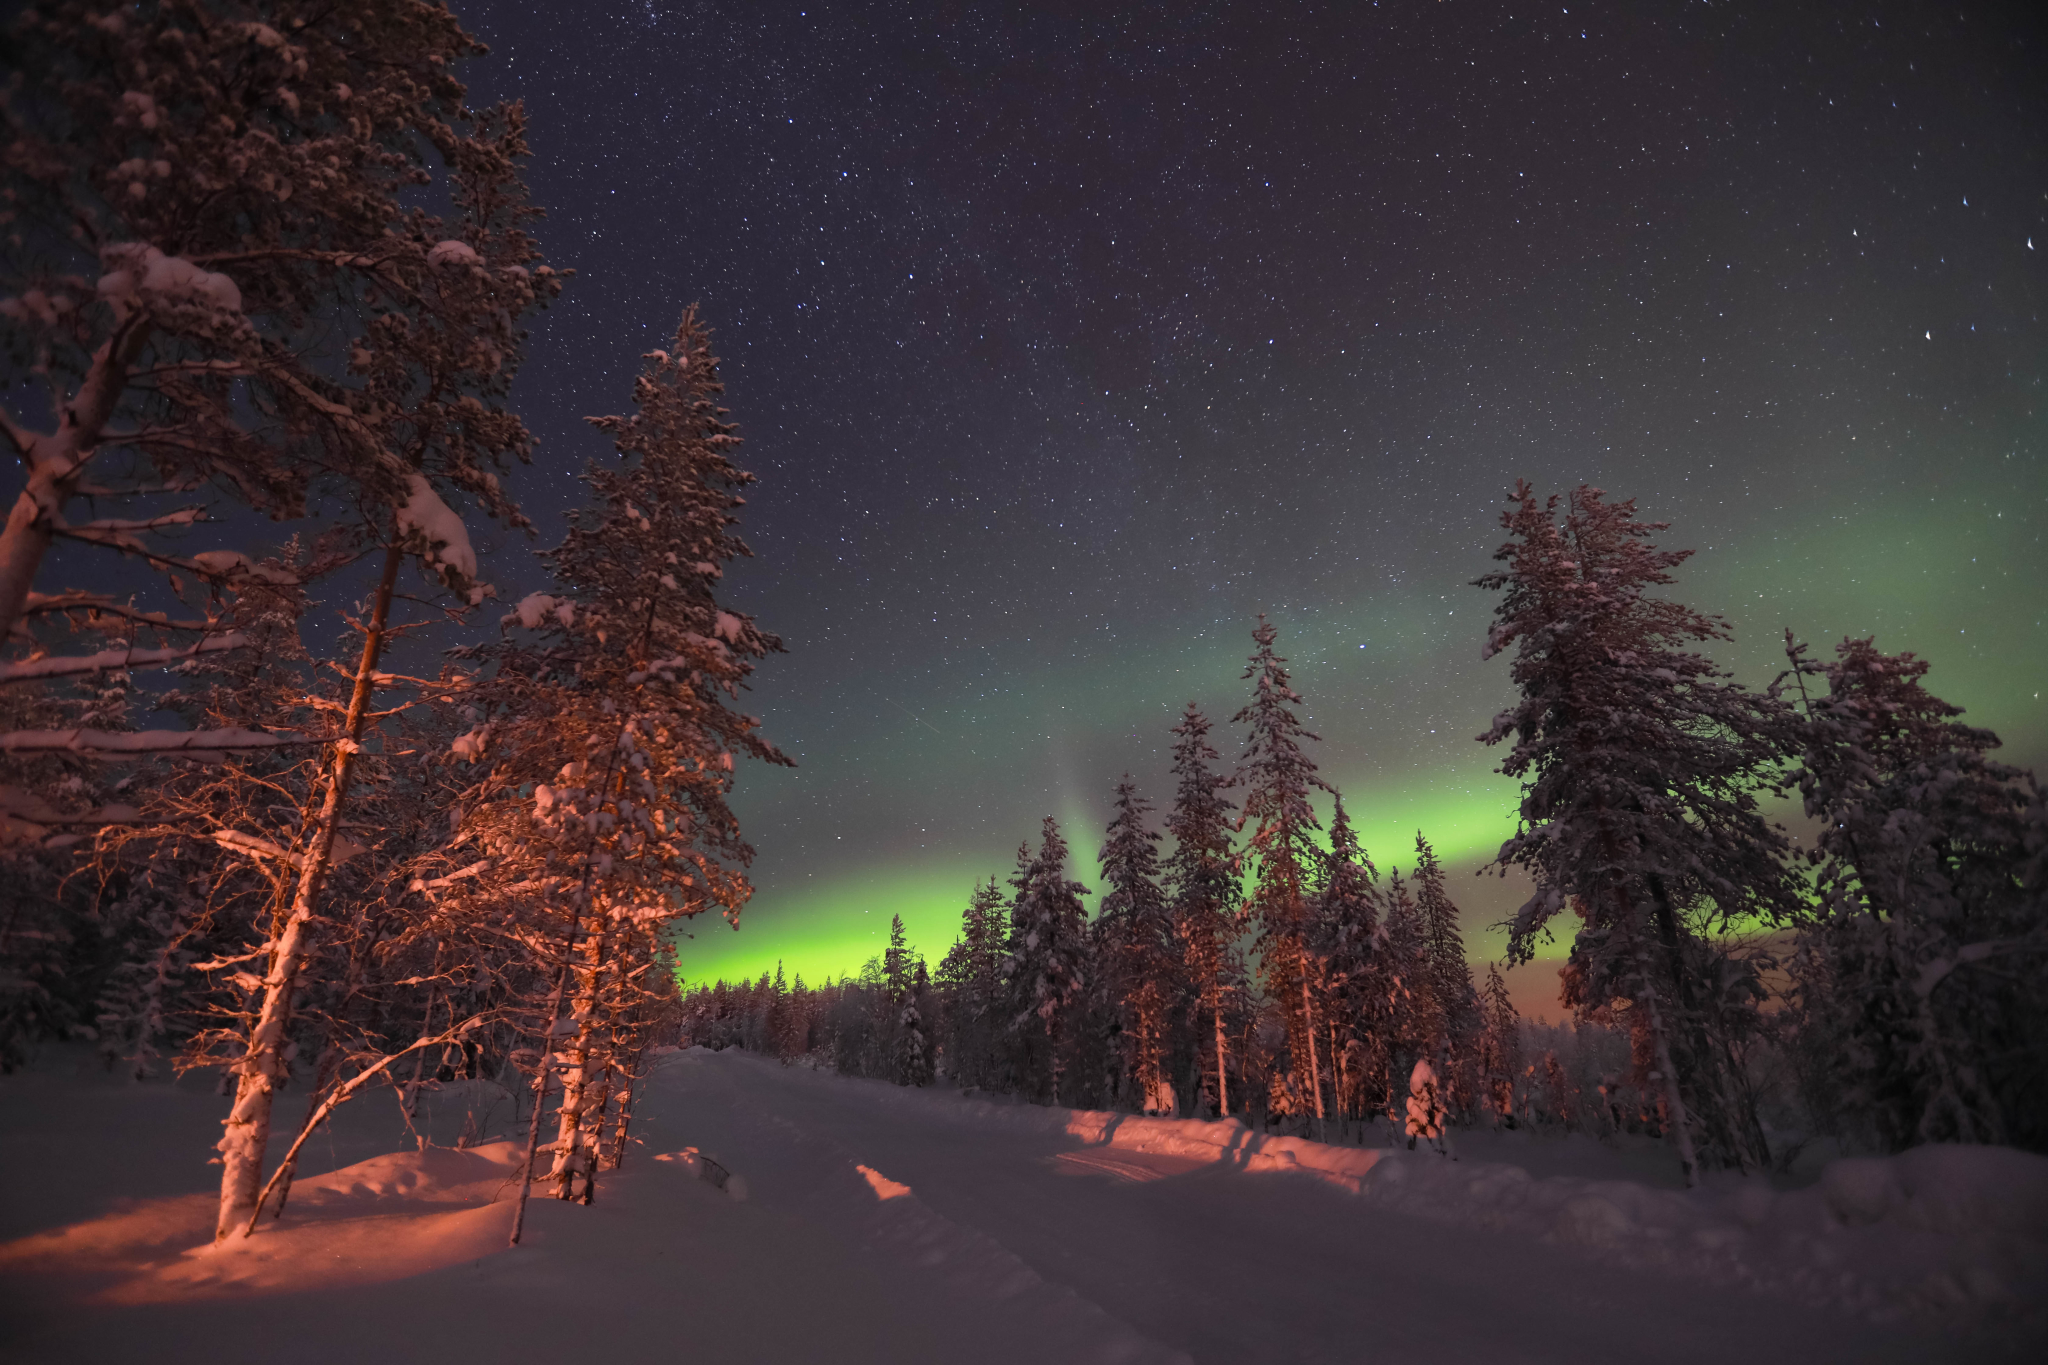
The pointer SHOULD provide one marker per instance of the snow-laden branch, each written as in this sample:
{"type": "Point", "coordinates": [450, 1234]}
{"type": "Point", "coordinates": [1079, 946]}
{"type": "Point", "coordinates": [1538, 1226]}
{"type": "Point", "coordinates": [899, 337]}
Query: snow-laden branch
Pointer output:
{"type": "Point", "coordinates": [223, 963]}
{"type": "Point", "coordinates": [231, 369]}
{"type": "Point", "coordinates": [200, 744]}
{"type": "Point", "coordinates": [76, 666]}
{"type": "Point", "coordinates": [209, 566]}
{"type": "Point", "coordinates": [254, 846]}
{"type": "Point", "coordinates": [26, 805]}
{"type": "Point", "coordinates": [1932, 974]}
{"type": "Point", "coordinates": [26, 818]}
{"type": "Point", "coordinates": [182, 516]}
{"type": "Point", "coordinates": [41, 604]}
{"type": "Point", "coordinates": [443, 883]}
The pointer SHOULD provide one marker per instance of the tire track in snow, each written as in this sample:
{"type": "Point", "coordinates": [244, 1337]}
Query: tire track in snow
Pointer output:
{"type": "Point", "coordinates": [827, 1185]}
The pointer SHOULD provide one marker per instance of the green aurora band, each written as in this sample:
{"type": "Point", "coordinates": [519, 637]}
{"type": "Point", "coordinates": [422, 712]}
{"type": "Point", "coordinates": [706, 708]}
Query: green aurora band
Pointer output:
{"type": "Point", "coordinates": [1955, 579]}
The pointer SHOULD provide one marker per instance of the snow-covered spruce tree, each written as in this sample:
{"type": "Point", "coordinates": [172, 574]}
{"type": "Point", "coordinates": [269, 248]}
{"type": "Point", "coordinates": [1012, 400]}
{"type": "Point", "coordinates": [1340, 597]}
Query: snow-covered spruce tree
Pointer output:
{"type": "Point", "coordinates": [859, 1021]}
{"type": "Point", "coordinates": [897, 959]}
{"type": "Point", "coordinates": [1140, 962]}
{"type": "Point", "coordinates": [1921, 972]}
{"type": "Point", "coordinates": [1426, 1110]}
{"type": "Point", "coordinates": [1410, 1016]}
{"type": "Point", "coordinates": [970, 979]}
{"type": "Point", "coordinates": [1202, 881]}
{"type": "Point", "coordinates": [1277, 777]}
{"type": "Point", "coordinates": [914, 1060]}
{"type": "Point", "coordinates": [1345, 935]}
{"type": "Point", "coordinates": [1047, 967]}
{"type": "Point", "coordinates": [777, 1022]}
{"type": "Point", "coordinates": [136, 1012]}
{"type": "Point", "coordinates": [1500, 1050]}
{"type": "Point", "coordinates": [1641, 767]}
{"type": "Point", "coordinates": [1457, 1004]}
{"type": "Point", "coordinates": [605, 737]}
{"type": "Point", "coordinates": [898, 962]}
{"type": "Point", "coordinates": [795, 1038]}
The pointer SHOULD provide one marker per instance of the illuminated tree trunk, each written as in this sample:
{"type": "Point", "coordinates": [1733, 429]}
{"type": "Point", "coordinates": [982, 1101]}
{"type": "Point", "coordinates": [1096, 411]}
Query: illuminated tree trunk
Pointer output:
{"type": "Point", "coordinates": [263, 1067]}
{"type": "Point", "coordinates": [1222, 1052]}
{"type": "Point", "coordinates": [1308, 1033]}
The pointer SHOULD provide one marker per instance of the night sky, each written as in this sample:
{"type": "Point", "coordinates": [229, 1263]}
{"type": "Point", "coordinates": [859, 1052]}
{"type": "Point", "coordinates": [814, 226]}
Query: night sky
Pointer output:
{"type": "Point", "coordinates": [1064, 345]}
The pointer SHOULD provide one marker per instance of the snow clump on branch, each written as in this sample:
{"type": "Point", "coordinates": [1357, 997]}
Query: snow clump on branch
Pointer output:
{"type": "Point", "coordinates": [452, 253]}
{"type": "Point", "coordinates": [137, 268]}
{"type": "Point", "coordinates": [425, 518]}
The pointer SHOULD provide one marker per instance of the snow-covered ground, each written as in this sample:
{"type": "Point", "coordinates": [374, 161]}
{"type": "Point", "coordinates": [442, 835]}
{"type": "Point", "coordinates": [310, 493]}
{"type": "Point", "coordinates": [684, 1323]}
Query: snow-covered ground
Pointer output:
{"type": "Point", "coordinates": [866, 1222]}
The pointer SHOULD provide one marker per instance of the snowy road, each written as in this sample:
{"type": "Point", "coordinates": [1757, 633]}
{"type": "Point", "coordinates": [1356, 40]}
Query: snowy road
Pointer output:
{"type": "Point", "coordinates": [1219, 1264]}
{"type": "Point", "coordinates": [878, 1224]}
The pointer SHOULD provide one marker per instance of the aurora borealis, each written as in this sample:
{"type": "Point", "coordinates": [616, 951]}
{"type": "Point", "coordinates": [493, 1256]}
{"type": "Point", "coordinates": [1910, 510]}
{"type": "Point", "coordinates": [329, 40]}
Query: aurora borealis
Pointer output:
{"type": "Point", "coordinates": [1065, 344]}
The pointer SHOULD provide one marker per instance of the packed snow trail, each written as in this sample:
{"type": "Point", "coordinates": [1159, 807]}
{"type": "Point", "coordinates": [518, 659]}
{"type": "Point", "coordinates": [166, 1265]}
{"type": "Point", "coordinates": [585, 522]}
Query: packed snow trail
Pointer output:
{"type": "Point", "coordinates": [862, 1222]}
{"type": "Point", "coordinates": [1233, 1266]}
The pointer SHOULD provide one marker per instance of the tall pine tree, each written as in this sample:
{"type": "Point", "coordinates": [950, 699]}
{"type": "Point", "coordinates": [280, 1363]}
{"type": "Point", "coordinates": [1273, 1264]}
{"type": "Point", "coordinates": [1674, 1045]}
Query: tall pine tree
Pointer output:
{"type": "Point", "coordinates": [1346, 935]}
{"type": "Point", "coordinates": [1136, 930]}
{"type": "Point", "coordinates": [1457, 1004]}
{"type": "Point", "coordinates": [971, 975]}
{"type": "Point", "coordinates": [1642, 765]}
{"type": "Point", "coordinates": [1203, 881]}
{"type": "Point", "coordinates": [607, 733]}
{"type": "Point", "coordinates": [1047, 966]}
{"type": "Point", "coordinates": [1278, 777]}
{"type": "Point", "coordinates": [1921, 970]}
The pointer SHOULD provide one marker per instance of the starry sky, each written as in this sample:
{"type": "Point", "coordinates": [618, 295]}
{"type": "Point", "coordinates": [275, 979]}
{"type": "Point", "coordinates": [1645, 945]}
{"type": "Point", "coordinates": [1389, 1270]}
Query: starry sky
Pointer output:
{"type": "Point", "coordinates": [1066, 343]}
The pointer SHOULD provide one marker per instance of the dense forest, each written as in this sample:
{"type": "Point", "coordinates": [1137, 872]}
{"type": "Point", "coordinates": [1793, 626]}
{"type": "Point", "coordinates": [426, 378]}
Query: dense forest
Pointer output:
{"type": "Point", "coordinates": [1733, 988]}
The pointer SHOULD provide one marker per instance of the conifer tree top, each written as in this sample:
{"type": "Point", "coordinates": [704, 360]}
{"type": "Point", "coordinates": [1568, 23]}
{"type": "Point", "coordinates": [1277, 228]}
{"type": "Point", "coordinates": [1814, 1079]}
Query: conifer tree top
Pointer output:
{"type": "Point", "coordinates": [1642, 761]}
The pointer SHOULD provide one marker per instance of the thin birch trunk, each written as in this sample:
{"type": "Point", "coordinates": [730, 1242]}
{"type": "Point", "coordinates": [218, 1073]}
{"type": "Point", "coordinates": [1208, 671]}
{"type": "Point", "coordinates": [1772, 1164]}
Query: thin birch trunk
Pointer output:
{"type": "Point", "coordinates": [1338, 1081]}
{"type": "Point", "coordinates": [1222, 1077]}
{"type": "Point", "coordinates": [1308, 1033]}
{"type": "Point", "coordinates": [262, 1067]}
{"type": "Point", "coordinates": [627, 1096]}
{"type": "Point", "coordinates": [591, 1138]}
{"type": "Point", "coordinates": [540, 1084]}
{"type": "Point", "coordinates": [573, 1156]}
{"type": "Point", "coordinates": [542, 1072]}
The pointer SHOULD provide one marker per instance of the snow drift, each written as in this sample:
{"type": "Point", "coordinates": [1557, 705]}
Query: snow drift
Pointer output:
{"type": "Point", "coordinates": [1942, 1233]}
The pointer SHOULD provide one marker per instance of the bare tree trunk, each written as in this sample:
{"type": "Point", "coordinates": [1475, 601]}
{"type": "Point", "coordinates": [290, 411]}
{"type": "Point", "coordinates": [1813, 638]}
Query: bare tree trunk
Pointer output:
{"type": "Point", "coordinates": [540, 1084]}
{"type": "Point", "coordinates": [628, 1094]}
{"type": "Point", "coordinates": [1660, 1043]}
{"type": "Point", "coordinates": [1308, 1033]}
{"type": "Point", "coordinates": [574, 1155]}
{"type": "Point", "coordinates": [1222, 1078]}
{"type": "Point", "coordinates": [540, 1078]}
{"type": "Point", "coordinates": [262, 1067]}
{"type": "Point", "coordinates": [1339, 1064]}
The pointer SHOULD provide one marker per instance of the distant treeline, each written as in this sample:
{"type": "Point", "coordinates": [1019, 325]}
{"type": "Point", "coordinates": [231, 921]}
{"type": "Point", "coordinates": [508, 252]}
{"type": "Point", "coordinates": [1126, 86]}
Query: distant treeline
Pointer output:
{"type": "Point", "coordinates": [1259, 968]}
